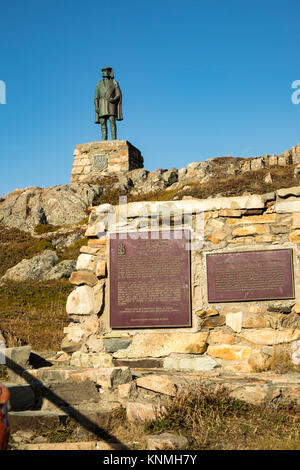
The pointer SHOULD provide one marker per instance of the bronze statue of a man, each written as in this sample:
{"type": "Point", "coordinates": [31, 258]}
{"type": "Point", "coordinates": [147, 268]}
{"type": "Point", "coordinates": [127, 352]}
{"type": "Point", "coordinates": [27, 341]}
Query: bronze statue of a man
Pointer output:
{"type": "Point", "coordinates": [108, 103]}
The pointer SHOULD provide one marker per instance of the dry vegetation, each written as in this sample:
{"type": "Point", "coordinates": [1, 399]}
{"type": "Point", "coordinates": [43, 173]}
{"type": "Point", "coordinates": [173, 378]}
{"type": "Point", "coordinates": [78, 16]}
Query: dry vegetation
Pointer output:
{"type": "Point", "coordinates": [34, 313]}
{"type": "Point", "coordinates": [15, 245]}
{"type": "Point", "coordinates": [251, 182]}
{"type": "Point", "coordinates": [213, 421]}
{"type": "Point", "coordinates": [209, 420]}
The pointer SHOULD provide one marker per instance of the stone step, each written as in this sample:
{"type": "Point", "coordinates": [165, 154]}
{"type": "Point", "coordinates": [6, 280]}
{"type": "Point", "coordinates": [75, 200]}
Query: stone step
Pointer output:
{"type": "Point", "coordinates": [34, 430]}
{"type": "Point", "coordinates": [89, 445]}
{"type": "Point", "coordinates": [22, 397]}
{"type": "Point", "coordinates": [55, 388]}
{"type": "Point", "coordinates": [52, 395]}
{"type": "Point", "coordinates": [41, 421]}
{"type": "Point", "coordinates": [105, 377]}
{"type": "Point", "coordinates": [49, 374]}
{"type": "Point", "coordinates": [35, 420]}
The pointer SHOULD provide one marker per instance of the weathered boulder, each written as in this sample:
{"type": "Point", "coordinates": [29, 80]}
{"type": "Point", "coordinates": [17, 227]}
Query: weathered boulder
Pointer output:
{"type": "Point", "coordinates": [143, 411]}
{"type": "Point", "coordinates": [32, 269]}
{"type": "Point", "coordinates": [114, 344]}
{"type": "Point", "coordinates": [66, 241]}
{"type": "Point", "coordinates": [297, 171]}
{"type": "Point", "coordinates": [61, 270]}
{"type": "Point", "coordinates": [166, 440]}
{"type": "Point", "coordinates": [254, 394]}
{"type": "Point", "coordinates": [138, 176]}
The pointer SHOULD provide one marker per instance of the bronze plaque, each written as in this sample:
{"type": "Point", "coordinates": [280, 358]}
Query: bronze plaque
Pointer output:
{"type": "Point", "coordinates": [250, 275]}
{"type": "Point", "coordinates": [150, 279]}
{"type": "Point", "coordinates": [100, 162]}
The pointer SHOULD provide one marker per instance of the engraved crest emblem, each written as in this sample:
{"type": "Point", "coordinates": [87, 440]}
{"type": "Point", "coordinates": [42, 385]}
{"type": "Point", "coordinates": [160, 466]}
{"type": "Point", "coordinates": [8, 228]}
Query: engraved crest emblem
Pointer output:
{"type": "Point", "coordinates": [121, 249]}
{"type": "Point", "coordinates": [100, 162]}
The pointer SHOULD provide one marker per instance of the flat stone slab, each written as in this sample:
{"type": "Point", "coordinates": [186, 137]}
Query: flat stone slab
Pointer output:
{"type": "Point", "coordinates": [286, 192]}
{"type": "Point", "coordinates": [114, 344]}
{"type": "Point", "coordinates": [35, 420]}
{"type": "Point", "coordinates": [70, 393]}
{"type": "Point", "coordinates": [196, 363]}
{"type": "Point", "coordinates": [162, 344]}
{"type": "Point", "coordinates": [89, 445]}
{"type": "Point", "coordinates": [166, 384]}
{"type": "Point", "coordinates": [282, 207]}
{"type": "Point", "coordinates": [135, 209]}
{"type": "Point", "coordinates": [144, 363]}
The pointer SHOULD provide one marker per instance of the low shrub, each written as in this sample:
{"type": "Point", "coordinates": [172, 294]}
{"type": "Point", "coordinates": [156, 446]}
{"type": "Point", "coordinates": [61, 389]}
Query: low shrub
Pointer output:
{"type": "Point", "coordinates": [40, 229]}
{"type": "Point", "coordinates": [41, 245]}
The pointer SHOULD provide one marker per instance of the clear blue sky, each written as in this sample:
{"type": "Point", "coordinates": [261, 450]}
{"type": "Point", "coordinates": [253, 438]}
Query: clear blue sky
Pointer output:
{"type": "Point", "coordinates": [199, 80]}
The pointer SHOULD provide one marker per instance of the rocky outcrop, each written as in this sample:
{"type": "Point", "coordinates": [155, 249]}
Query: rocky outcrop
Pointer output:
{"type": "Point", "coordinates": [68, 204]}
{"type": "Point", "coordinates": [57, 205]}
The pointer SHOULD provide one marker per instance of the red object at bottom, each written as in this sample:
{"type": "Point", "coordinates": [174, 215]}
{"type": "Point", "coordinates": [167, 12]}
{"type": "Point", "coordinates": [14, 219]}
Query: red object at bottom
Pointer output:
{"type": "Point", "coordinates": [4, 434]}
{"type": "Point", "coordinates": [4, 426]}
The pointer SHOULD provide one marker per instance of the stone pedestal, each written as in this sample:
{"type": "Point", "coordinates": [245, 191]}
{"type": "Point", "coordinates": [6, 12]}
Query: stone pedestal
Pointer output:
{"type": "Point", "coordinates": [104, 158]}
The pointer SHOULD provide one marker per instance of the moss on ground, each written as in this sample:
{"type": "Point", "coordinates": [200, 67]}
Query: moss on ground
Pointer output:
{"type": "Point", "coordinates": [40, 246]}
{"type": "Point", "coordinates": [40, 229]}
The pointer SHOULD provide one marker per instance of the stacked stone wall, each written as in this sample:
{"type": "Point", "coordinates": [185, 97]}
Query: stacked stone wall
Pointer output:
{"type": "Point", "coordinates": [238, 336]}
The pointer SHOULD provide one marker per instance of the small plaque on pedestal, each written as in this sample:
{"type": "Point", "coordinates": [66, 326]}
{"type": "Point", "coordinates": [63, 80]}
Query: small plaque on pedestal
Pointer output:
{"type": "Point", "coordinates": [100, 162]}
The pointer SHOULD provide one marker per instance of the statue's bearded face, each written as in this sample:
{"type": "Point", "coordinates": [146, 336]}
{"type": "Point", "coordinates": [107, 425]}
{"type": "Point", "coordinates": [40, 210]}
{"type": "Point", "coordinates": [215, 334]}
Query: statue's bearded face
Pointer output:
{"type": "Point", "coordinates": [106, 73]}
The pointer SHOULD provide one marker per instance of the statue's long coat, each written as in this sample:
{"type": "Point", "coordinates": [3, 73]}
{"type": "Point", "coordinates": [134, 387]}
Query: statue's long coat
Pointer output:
{"type": "Point", "coordinates": [110, 100]}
